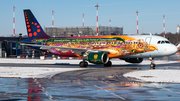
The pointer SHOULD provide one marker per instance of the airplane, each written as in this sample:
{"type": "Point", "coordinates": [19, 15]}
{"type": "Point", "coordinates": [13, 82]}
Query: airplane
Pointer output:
{"type": "Point", "coordinates": [97, 49]}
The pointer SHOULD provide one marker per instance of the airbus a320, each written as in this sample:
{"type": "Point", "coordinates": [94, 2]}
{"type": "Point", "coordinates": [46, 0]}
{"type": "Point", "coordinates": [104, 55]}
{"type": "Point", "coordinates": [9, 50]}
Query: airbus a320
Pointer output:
{"type": "Point", "coordinates": [97, 49]}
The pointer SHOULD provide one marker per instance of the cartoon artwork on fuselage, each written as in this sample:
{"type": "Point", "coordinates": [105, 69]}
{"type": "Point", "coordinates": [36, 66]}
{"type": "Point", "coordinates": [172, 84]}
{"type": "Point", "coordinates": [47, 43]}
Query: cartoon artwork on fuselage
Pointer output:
{"type": "Point", "coordinates": [118, 46]}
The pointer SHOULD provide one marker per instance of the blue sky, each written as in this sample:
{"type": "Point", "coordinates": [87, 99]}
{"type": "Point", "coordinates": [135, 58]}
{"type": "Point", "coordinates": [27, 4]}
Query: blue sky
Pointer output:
{"type": "Point", "coordinates": [68, 13]}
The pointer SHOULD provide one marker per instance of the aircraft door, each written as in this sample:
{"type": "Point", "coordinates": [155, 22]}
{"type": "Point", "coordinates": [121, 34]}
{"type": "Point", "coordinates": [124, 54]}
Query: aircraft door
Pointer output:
{"type": "Point", "coordinates": [147, 42]}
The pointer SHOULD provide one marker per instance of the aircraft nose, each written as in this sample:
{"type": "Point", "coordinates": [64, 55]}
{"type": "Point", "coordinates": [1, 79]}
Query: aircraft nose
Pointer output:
{"type": "Point", "coordinates": [173, 49]}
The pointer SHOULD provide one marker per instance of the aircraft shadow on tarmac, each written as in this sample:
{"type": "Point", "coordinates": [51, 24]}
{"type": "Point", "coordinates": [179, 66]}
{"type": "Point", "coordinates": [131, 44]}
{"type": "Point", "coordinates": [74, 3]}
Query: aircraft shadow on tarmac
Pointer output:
{"type": "Point", "coordinates": [100, 66]}
{"type": "Point", "coordinates": [137, 66]}
{"type": "Point", "coordinates": [68, 65]}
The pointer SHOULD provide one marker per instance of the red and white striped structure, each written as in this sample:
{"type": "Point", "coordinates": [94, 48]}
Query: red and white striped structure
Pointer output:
{"type": "Point", "coordinates": [83, 19]}
{"type": "Point", "coordinates": [97, 17]}
{"type": "Point", "coordinates": [14, 20]}
{"type": "Point", "coordinates": [137, 23]}
{"type": "Point", "coordinates": [53, 57]}
{"type": "Point", "coordinates": [163, 25]}
{"type": "Point", "coordinates": [52, 18]}
{"type": "Point", "coordinates": [109, 22]}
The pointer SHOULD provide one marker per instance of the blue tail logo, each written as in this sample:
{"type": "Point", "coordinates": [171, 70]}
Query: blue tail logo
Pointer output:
{"type": "Point", "coordinates": [34, 29]}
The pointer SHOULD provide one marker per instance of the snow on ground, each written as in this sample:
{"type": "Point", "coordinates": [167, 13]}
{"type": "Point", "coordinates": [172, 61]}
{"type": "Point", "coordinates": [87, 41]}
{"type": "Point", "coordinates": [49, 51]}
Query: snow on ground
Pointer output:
{"type": "Point", "coordinates": [32, 72]}
{"type": "Point", "coordinates": [171, 76]}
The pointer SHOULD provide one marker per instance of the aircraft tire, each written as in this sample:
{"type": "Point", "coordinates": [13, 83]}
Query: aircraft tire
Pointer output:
{"type": "Point", "coordinates": [152, 66]}
{"type": "Point", "coordinates": [108, 64]}
{"type": "Point", "coordinates": [83, 64]}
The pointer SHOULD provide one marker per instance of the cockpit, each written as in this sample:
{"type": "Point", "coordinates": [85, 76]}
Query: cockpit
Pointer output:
{"type": "Point", "coordinates": [163, 42]}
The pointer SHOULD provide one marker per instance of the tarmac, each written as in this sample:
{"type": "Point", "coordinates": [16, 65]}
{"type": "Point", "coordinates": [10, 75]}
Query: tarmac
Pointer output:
{"type": "Point", "coordinates": [63, 81]}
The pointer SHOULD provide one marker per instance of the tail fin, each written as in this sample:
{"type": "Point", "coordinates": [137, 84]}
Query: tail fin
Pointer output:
{"type": "Point", "coordinates": [34, 30]}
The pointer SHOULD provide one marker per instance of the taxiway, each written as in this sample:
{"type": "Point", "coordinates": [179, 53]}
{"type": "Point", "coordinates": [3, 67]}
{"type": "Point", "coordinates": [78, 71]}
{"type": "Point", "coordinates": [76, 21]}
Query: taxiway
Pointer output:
{"type": "Point", "coordinates": [92, 83]}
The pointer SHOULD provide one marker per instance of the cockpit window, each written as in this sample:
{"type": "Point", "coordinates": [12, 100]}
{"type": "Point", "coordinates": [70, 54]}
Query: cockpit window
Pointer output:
{"type": "Point", "coordinates": [163, 42]}
{"type": "Point", "coordinates": [167, 42]}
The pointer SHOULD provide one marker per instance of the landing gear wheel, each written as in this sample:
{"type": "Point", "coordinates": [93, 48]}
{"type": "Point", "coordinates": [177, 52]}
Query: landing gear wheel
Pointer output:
{"type": "Point", "coordinates": [83, 64]}
{"type": "Point", "coordinates": [108, 64]}
{"type": "Point", "coordinates": [152, 65]}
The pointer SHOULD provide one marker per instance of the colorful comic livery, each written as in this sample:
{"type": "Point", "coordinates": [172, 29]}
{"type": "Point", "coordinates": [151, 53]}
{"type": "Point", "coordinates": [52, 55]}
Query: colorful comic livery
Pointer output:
{"type": "Point", "coordinates": [97, 49]}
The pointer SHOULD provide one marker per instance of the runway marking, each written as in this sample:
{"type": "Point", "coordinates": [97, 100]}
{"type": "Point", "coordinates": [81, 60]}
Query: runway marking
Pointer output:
{"type": "Point", "coordinates": [111, 93]}
{"type": "Point", "coordinates": [166, 89]}
{"type": "Point", "coordinates": [42, 88]}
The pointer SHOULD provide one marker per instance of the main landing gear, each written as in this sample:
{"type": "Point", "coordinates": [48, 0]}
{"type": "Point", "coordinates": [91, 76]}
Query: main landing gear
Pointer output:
{"type": "Point", "coordinates": [108, 64]}
{"type": "Point", "coordinates": [152, 65]}
{"type": "Point", "coordinates": [83, 64]}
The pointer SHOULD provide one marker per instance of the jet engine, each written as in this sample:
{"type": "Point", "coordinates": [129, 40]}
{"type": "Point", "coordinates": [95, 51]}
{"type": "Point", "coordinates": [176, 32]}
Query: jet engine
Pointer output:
{"type": "Point", "coordinates": [134, 60]}
{"type": "Point", "coordinates": [98, 57]}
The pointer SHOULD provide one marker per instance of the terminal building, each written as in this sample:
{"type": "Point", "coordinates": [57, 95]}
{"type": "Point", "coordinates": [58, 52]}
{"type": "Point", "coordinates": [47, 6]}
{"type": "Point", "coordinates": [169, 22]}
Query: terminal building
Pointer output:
{"type": "Point", "coordinates": [9, 46]}
{"type": "Point", "coordinates": [80, 31]}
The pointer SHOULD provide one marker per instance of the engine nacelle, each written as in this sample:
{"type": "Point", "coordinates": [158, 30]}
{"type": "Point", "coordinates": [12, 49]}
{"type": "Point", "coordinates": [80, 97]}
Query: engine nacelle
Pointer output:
{"type": "Point", "coordinates": [134, 60]}
{"type": "Point", "coordinates": [98, 57]}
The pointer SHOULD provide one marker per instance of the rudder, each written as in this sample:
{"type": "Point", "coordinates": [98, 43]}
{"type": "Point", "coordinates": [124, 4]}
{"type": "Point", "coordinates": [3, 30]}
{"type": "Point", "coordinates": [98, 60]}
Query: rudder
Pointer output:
{"type": "Point", "coordinates": [34, 29]}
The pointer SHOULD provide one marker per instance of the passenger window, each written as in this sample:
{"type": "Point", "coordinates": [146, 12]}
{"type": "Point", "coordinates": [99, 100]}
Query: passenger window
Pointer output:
{"type": "Point", "coordinates": [159, 42]}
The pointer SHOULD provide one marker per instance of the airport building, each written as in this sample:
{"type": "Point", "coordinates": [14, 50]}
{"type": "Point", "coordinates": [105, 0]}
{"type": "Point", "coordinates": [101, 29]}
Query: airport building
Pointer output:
{"type": "Point", "coordinates": [80, 31]}
{"type": "Point", "coordinates": [9, 47]}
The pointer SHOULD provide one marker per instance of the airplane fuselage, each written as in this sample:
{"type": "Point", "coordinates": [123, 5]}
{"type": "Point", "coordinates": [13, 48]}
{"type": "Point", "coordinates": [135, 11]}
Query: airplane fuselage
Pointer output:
{"type": "Point", "coordinates": [117, 46]}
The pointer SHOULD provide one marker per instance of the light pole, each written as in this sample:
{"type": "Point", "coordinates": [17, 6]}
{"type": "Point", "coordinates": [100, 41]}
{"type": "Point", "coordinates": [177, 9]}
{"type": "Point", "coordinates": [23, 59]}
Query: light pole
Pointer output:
{"type": "Point", "coordinates": [83, 20]}
{"type": "Point", "coordinates": [14, 20]}
{"type": "Point", "coordinates": [52, 18]}
{"type": "Point", "coordinates": [137, 23]}
{"type": "Point", "coordinates": [164, 25]}
{"type": "Point", "coordinates": [97, 17]}
{"type": "Point", "coordinates": [109, 23]}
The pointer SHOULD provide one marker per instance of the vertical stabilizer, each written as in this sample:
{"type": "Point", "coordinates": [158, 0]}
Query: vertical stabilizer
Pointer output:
{"type": "Point", "coordinates": [34, 29]}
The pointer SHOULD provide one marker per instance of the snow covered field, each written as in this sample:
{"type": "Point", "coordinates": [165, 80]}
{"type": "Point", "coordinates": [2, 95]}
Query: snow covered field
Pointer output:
{"type": "Point", "coordinates": [32, 72]}
{"type": "Point", "coordinates": [161, 76]}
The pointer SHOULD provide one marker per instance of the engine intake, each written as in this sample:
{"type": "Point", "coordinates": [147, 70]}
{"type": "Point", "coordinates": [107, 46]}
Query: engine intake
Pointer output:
{"type": "Point", "coordinates": [134, 60]}
{"type": "Point", "coordinates": [98, 58]}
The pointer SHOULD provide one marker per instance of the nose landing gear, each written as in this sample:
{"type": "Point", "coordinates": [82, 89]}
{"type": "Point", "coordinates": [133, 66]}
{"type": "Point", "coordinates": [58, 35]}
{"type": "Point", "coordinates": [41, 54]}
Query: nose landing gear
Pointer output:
{"type": "Point", "coordinates": [152, 65]}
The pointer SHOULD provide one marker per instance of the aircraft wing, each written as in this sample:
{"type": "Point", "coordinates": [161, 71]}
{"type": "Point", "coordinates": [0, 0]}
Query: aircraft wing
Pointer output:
{"type": "Point", "coordinates": [79, 51]}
